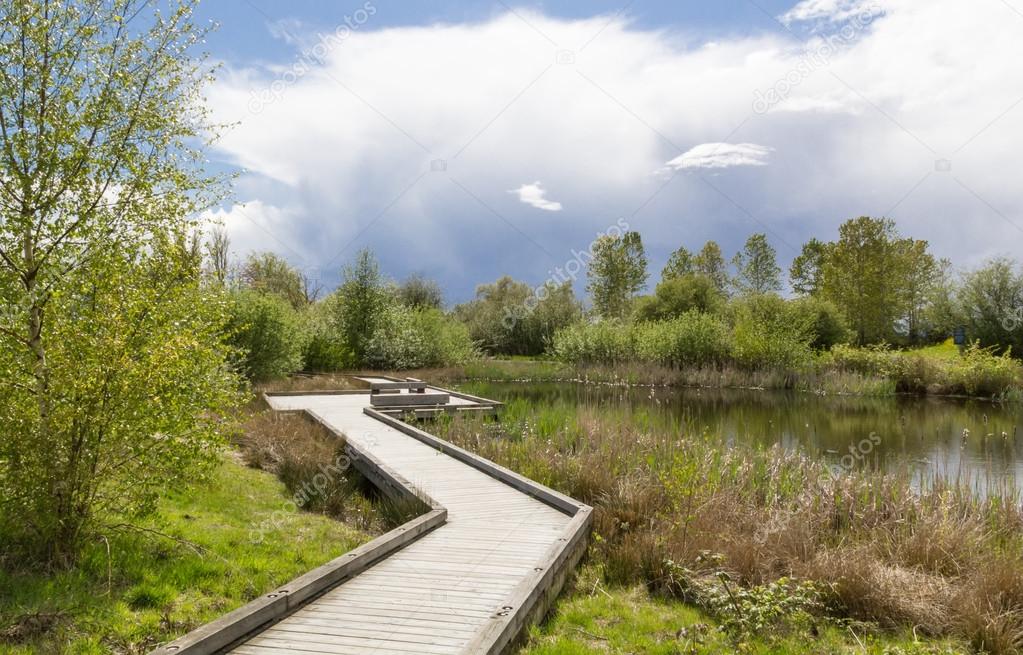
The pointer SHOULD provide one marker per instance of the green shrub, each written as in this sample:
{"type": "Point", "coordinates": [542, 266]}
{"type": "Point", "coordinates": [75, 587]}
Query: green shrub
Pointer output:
{"type": "Point", "coordinates": [267, 334]}
{"type": "Point", "coordinates": [606, 342]}
{"type": "Point", "coordinates": [823, 319]}
{"type": "Point", "coordinates": [765, 335]}
{"type": "Point", "coordinates": [678, 295]}
{"type": "Point", "coordinates": [324, 350]}
{"type": "Point", "coordinates": [692, 339]}
{"type": "Point", "coordinates": [407, 338]}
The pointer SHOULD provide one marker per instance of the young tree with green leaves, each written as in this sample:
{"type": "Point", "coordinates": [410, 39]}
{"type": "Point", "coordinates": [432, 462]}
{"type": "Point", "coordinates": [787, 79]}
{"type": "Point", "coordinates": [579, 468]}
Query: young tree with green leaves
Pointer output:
{"type": "Point", "coordinates": [112, 369]}
{"type": "Point", "coordinates": [756, 266]}
{"type": "Point", "coordinates": [616, 273]}
{"type": "Point", "coordinates": [267, 272]}
{"type": "Point", "coordinates": [710, 262]}
{"type": "Point", "coordinates": [681, 262]}
{"type": "Point", "coordinates": [360, 302]}
{"type": "Point", "coordinates": [806, 274]}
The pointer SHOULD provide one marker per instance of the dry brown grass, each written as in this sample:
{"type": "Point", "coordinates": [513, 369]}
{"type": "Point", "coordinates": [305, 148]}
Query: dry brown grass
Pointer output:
{"type": "Point", "coordinates": [940, 561]}
{"type": "Point", "coordinates": [312, 464]}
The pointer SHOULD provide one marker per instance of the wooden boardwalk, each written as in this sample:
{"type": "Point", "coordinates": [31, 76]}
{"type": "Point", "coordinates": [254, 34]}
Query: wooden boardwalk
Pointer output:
{"type": "Point", "coordinates": [500, 552]}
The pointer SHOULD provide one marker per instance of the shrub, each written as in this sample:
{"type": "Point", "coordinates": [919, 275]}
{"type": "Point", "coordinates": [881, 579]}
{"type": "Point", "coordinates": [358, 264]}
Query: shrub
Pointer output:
{"type": "Point", "coordinates": [267, 334]}
{"type": "Point", "coordinates": [678, 295]}
{"type": "Point", "coordinates": [324, 349]}
{"type": "Point", "coordinates": [606, 342]}
{"type": "Point", "coordinates": [766, 336]}
{"type": "Point", "coordinates": [822, 318]}
{"type": "Point", "coordinates": [692, 339]}
{"type": "Point", "coordinates": [408, 338]}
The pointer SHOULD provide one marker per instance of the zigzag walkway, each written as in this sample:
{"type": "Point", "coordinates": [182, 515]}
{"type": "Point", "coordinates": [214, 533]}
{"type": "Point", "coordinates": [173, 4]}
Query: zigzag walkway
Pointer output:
{"type": "Point", "coordinates": [465, 577]}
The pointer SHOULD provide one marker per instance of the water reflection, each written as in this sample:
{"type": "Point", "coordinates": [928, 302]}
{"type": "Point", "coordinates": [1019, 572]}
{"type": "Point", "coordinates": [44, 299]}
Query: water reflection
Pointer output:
{"type": "Point", "coordinates": [971, 440]}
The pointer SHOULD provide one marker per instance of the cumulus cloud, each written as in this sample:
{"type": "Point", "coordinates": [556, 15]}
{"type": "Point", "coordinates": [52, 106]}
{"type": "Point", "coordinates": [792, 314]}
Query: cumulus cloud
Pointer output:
{"type": "Point", "coordinates": [721, 155]}
{"type": "Point", "coordinates": [535, 195]}
{"type": "Point", "coordinates": [407, 139]}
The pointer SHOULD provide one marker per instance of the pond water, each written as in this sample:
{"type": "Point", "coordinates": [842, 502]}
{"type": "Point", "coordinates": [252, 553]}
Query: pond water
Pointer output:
{"type": "Point", "coordinates": [978, 442]}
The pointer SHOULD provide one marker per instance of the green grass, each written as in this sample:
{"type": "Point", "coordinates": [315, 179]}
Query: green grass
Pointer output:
{"type": "Point", "coordinates": [133, 591]}
{"type": "Point", "coordinates": [628, 620]}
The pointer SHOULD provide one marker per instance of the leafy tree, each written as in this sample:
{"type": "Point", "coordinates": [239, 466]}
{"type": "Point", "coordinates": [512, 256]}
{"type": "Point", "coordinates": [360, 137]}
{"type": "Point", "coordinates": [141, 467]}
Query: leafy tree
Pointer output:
{"type": "Point", "coordinates": [990, 301]}
{"type": "Point", "coordinates": [508, 317]}
{"type": "Point", "coordinates": [710, 262]}
{"type": "Point", "coordinates": [267, 272]}
{"type": "Point", "coordinates": [921, 274]}
{"type": "Point", "coordinates": [824, 321]}
{"type": "Point", "coordinates": [419, 292]}
{"type": "Point", "coordinates": [616, 273]}
{"type": "Point", "coordinates": [677, 295]}
{"type": "Point", "coordinates": [265, 330]}
{"type": "Point", "coordinates": [864, 275]}
{"type": "Point", "coordinates": [681, 262]}
{"type": "Point", "coordinates": [112, 373]}
{"type": "Point", "coordinates": [361, 301]}
{"type": "Point", "coordinates": [757, 269]}
{"type": "Point", "coordinates": [806, 274]}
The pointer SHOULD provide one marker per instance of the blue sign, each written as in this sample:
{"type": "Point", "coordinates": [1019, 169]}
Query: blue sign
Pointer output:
{"type": "Point", "coordinates": [959, 336]}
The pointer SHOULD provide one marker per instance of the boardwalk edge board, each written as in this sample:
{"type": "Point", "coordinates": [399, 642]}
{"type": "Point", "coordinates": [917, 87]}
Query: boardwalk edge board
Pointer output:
{"type": "Point", "coordinates": [528, 602]}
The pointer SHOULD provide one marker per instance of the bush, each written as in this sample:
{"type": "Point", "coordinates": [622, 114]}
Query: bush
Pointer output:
{"type": "Point", "coordinates": [407, 338]}
{"type": "Point", "coordinates": [324, 350]}
{"type": "Point", "coordinates": [692, 339]}
{"type": "Point", "coordinates": [823, 319]}
{"type": "Point", "coordinates": [678, 295]}
{"type": "Point", "coordinates": [267, 334]}
{"type": "Point", "coordinates": [606, 342]}
{"type": "Point", "coordinates": [765, 335]}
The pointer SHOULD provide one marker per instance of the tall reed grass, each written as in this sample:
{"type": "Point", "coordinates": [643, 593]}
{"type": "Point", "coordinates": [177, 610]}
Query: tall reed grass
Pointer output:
{"type": "Point", "coordinates": [880, 548]}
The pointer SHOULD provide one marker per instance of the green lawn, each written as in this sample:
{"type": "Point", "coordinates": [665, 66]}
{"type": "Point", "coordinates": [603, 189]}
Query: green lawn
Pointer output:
{"type": "Point", "coordinates": [595, 620]}
{"type": "Point", "coordinates": [151, 589]}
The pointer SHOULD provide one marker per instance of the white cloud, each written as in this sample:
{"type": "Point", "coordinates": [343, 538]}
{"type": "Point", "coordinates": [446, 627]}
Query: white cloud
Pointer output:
{"type": "Point", "coordinates": [832, 11]}
{"type": "Point", "coordinates": [536, 196]}
{"type": "Point", "coordinates": [343, 152]}
{"type": "Point", "coordinates": [721, 155]}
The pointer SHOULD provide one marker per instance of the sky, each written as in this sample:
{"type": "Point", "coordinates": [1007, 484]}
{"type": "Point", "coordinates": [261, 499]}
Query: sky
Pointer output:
{"type": "Point", "coordinates": [469, 140]}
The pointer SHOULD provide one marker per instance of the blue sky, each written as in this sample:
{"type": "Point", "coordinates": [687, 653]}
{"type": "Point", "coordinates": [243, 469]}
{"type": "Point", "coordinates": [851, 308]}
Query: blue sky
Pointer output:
{"type": "Point", "coordinates": [466, 140]}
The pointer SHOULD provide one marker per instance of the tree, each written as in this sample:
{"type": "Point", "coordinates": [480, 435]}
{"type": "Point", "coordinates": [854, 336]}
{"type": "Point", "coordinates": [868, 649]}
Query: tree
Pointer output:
{"type": "Point", "coordinates": [418, 292]}
{"type": "Point", "coordinates": [990, 301]}
{"type": "Point", "coordinates": [681, 262]}
{"type": "Point", "coordinates": [678, 295]}
{"type": "Point", "coordinates": [265, 329]}
{"type": "Point", "coordinates": [807, 270]}
{"type": "Point", "coordinates": [266, 272]}
{"type": "Point", "coordinates": [756, 267]}
{"type": "Point", "coordinates": [218, 251]}
{"type": "Point", "coordinates": [508, 317]}
{"type": "Point", "coordinates": [710, 262]}
{"type": "Point", "coordinates": [863, 274]}
{"type": "Point", "coordinates": [361, 301]}
{"type": "Point", "coordinates": [112, 373]}
{"type": "Point", "coordinates": [921, 274]}
{"type": "Point", "coordinates": [616, 273]}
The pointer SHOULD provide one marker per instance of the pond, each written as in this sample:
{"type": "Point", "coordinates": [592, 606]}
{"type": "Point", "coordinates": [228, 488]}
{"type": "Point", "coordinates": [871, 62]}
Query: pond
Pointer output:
{"type": "Point", "coordinates": [974, 441]}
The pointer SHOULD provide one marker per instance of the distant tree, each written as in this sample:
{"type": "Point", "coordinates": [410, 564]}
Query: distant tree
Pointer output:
{"type": "Point", "coordinates": [677, 295]}
{"type": "Point", "coordinates": [921, 273]}
{"type": "Point", "coordinates": [267, 272]}
{"type": "Point", "coordinates": [681, 262]}
{"type": "Point", "coordinates": [756, 267]}
{"type": "Point", "coordinates": [418, 292]}
{"type": "Point", "coordinates": [864, 274]}
{"type": "Point", "coordinates": [219, 252]}
{"type": "Point", "coordinates": [616, 273]}
{"type": "Point", "coordinates": [710, 262]}
{"type": "Point", "coordinates": [806, 274]}
{"type": "Point", "coordinates": [265, 329]}
{"type": "Point", "coordinates": [510, 318]}
{"type": "Point", "coordinates": [360, 303]}
{"type": "Point", "coordinates": [990, 302]}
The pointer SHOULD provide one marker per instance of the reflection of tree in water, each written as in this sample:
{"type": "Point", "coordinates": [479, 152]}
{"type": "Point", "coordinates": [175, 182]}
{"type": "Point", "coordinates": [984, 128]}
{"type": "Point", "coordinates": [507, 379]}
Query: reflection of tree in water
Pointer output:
{"type": "Point", "coordinates": [950, 436]}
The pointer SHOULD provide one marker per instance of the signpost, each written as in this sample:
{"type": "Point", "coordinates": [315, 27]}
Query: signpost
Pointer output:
{"type": "Point", "coordinates": [959, 338]}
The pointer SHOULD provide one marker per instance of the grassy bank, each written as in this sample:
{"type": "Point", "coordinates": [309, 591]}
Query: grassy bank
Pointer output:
{"type": "Point", "coordinates": [936, 370]}
{"type": "Point", "coordinates": [228, 540]}
{"type": "Point", "coordinates": [761, 539]}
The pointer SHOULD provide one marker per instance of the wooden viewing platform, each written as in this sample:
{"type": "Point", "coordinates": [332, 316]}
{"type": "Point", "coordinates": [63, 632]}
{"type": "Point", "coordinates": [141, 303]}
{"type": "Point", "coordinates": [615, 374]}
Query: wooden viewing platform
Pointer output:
{"type": "Point", "coordinates": [486, 558]}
